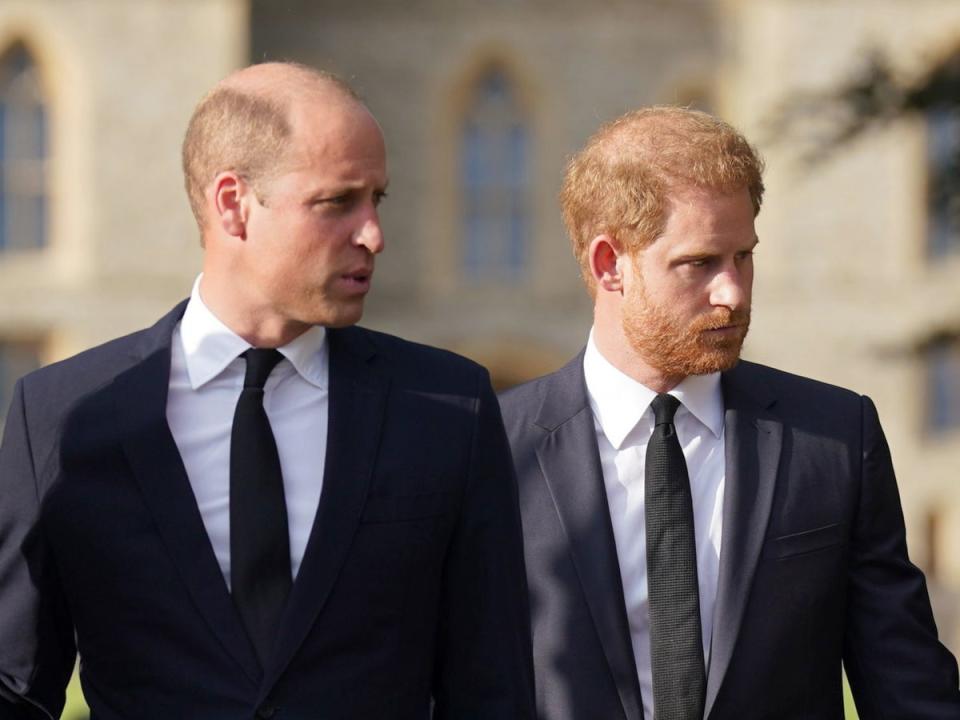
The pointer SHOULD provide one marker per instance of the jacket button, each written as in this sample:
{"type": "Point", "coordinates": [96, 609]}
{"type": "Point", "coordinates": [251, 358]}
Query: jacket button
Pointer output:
{"type": "Point", "coordinates": [264, 712]}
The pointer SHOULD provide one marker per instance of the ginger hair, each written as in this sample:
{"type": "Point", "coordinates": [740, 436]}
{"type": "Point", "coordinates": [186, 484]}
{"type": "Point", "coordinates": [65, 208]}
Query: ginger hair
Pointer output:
{"type": "Point", "coordinates": [620, 183]}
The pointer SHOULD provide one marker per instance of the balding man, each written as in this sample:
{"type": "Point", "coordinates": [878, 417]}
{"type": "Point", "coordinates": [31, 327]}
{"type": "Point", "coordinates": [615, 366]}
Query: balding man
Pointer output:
{"type": "Point", "coordinates": [253, 509]}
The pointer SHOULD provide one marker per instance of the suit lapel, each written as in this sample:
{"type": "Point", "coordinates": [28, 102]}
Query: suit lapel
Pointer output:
{"type": "Point", "coordinates": [753, 442]}
{"type": "Point", "coordinates": [357, 401]}
{"type": "Point", "coordinates": [570, 463]}
{"type": "Point", "coordinates": [141, 404]}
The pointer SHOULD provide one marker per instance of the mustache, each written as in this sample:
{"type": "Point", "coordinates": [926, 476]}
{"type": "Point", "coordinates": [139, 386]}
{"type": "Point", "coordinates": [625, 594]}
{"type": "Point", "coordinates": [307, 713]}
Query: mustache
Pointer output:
{"type": "Point", "coordinates": [721, 318]}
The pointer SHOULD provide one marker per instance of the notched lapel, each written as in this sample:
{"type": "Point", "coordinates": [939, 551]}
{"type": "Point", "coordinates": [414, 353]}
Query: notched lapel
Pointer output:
{"type": "Point", "coordinates": [141, 404]}
{"type": "Point", "coordinates": [570, 463]}
{"type": "Point", "coordinates": [753, 443]}
{"type": "Point", "coordinates": [357, 401]}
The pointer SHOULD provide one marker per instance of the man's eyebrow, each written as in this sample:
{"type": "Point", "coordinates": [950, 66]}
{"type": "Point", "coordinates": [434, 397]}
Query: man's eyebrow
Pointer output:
{"type": "Point", "coordinates": [695, 254]}
{"type": "Point", "coordinates": [339, 188]}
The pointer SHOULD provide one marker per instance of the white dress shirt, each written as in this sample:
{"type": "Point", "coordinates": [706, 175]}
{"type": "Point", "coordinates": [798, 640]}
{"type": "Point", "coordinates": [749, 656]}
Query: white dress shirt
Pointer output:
{"type": "Point", "coordinates": [206, 377]}
{"type": "Point", "coordinates": [624, 422]}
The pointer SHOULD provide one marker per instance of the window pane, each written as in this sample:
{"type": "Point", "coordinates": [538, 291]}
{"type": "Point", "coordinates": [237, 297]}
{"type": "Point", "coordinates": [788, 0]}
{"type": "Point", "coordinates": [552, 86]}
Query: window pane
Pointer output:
{"type": "Point", "coordinates": [943, 384]}
{"type": "Point", "coordinates": [943, 156]}
{"type": "Point", "coordinates": [24, 145]}
{"type": "Point", "coordinates": [39, 212]}
{"type": "Point", "coordinates": [517, 157]}
{"type": "Point", "coordinates": [40, 131]}
{"type": "Point", "coordinates": [495, 182]}
{"type": "Point", "coordinates": [474, 244]}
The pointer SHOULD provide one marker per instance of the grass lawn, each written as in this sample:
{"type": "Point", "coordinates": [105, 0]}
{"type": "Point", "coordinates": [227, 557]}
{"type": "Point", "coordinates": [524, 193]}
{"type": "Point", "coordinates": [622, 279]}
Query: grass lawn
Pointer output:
{"type": "Point", "coordinates": [76, 708]}
{"type": "Point", "coordinates": [849, 709]}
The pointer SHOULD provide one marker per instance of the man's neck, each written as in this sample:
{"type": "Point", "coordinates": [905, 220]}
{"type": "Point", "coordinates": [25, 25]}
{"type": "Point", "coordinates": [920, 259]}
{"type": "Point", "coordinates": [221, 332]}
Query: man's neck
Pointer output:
{"type": "Point", "coordinates": [617, 350]}
{"type": "Point", "coordinates": [258, 327]}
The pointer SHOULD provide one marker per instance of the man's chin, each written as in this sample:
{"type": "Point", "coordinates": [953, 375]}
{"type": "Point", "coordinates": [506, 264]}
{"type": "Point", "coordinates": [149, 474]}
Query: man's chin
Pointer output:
{"type": "Point", "coordinates": [339, 317]}
{"type": "Point", "coordinates": [715, 360]}
{"type": "Point", "coordinates": [343, 321]}
{"type": "Point", "coordinates": [719, 353]}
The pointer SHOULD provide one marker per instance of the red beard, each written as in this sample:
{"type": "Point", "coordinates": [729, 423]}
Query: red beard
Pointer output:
{"type": "Point", "coordinates": [676, 349]}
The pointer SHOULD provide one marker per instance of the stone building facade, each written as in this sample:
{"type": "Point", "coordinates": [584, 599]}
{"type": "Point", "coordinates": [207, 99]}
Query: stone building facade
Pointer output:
{"type": "Point", "coordinates": [105, 88]}
{"type": "Point", "coordinates": [857, 266]}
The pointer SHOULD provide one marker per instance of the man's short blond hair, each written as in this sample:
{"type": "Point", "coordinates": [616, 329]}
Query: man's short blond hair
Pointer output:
{"type": "Point", "coordinates": [620, 182]}
{"type": "Point", "coordinates": [245, 127]}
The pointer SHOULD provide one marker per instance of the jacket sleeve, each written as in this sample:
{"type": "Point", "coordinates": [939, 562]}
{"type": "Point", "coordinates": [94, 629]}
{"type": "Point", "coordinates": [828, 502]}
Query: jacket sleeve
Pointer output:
{"type": "Point", "coordinates": [896, 666]}
{"type": "Point", "coordinates": [484, 667]}
{"type": "Point", "coordinates": [37, 649]}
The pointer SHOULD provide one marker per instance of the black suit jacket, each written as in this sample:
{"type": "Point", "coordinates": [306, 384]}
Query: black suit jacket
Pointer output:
{"type": "Point", "coordinates": [411, 585]}
{"type": "Point", "coordinates": [813, 563]}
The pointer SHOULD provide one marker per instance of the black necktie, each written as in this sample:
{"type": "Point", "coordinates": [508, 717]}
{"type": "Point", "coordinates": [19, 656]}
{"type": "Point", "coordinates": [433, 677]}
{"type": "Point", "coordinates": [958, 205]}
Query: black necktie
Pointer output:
{"type": "Point", "coordinates": [676, 643]}
{"type": "Point", "coordinates": [259, 541]}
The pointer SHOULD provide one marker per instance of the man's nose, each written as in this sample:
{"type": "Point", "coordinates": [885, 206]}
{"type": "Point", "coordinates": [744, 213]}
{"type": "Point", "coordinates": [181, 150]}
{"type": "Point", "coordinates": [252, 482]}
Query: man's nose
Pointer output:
{"type": "Point", "coordinates": [731, 289]}
{"type": "Point", "coordinates": [370, 234]}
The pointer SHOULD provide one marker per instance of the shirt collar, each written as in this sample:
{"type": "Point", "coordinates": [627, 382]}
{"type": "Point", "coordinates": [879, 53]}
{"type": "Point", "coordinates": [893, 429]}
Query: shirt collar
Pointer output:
{"type": "Point", "coordinates": [210, 346]}
{"type": "Point", "coordinates": [619, 402]}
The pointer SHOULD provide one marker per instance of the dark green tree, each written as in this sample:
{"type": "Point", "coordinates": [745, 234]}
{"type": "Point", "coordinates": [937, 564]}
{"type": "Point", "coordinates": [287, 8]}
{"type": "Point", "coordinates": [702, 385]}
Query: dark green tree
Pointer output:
{"type": "Point", "coordinates": [874, 95]}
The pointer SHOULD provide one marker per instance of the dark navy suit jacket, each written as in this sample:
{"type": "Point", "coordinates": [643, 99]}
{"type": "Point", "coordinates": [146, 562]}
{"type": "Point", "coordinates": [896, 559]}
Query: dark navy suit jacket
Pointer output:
{"type": "Point", "coordinates": [411, 589]}
{"type": "Point", "coordinates": [813, 562]}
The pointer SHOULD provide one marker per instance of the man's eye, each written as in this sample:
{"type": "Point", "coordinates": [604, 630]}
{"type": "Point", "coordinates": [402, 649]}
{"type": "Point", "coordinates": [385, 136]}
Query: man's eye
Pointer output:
{"type": "Point", "coordinates": [379, 196]}
{"type": "Point", "coordinates": [332, 202]}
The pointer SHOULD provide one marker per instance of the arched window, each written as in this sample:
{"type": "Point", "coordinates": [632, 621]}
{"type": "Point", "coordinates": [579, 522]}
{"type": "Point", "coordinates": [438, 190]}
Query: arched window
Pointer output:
{"type": "Point", "coordinates": [23, 153]}
{"type": "Point", "coordinates": [942, 360]}
{"type": "Point", "coordinates": [943, 153]}
{"type": "Point", "coordinates": [495, 161]}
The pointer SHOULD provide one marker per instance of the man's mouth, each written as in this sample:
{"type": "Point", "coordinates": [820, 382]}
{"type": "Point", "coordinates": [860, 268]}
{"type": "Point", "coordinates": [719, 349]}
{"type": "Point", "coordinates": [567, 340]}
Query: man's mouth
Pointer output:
{"type": "Point", "coordinates": [724, 322]}
{"type": "Point", "coordinates": [358, 279]}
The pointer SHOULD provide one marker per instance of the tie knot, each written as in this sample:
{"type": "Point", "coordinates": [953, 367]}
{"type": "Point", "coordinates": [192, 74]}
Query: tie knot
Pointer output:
{"type": "Point", "coordinates": [260, 363]}
{"type": "Point", "coordinates": [664, 408]}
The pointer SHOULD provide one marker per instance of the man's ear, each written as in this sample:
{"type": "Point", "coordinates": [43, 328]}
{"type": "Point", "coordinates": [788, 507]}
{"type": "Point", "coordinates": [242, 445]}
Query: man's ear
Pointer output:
{"type": "Point", "coordinates": [605, 254]}
{"type": "Point", "coordinates": [230, 203]}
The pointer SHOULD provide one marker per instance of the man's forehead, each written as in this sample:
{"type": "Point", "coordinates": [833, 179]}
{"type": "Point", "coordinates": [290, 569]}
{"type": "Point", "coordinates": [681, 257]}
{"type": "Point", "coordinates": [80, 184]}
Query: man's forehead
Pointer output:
{"type": "Point", "coordinates": [700, 215]}
{"type": "Point", "coordinates": [319, 108]}
{"type": "Point", "coordinates": [331, 137]}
